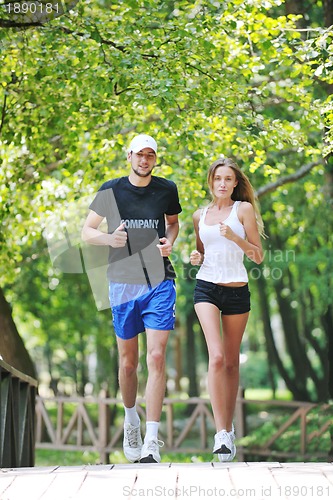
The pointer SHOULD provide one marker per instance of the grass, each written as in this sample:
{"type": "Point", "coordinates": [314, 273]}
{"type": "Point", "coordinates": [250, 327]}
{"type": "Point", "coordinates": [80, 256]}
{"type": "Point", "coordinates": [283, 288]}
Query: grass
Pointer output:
{"type": "Point", "coordinates": [45, 458]}
{"type": "Point", "coordinates": [267, 394]}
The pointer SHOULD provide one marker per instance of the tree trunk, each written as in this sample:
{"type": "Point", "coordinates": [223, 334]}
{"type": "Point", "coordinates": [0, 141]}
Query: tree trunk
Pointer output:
{"type": "Point", "coordinates": [12, 348]}
{"type": "Point", "coordinates": [294, 7]}
{"type": "Point", "coordinates": [301, 365]}
{"type": "Point", "coordinates": [309, 325]}
{"type": "Point", "coordinates": [328, 12]}
{"type": "Point", "coordinates": [191, 355]}
{"type": "Point", "coordinates": [272, 351]}
{"type": "Point", "coordinates": [327, 322]}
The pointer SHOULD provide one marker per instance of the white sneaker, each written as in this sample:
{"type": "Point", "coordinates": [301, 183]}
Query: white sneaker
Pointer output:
{"type": "Point", "coordinates": [132, 442]}
{"type": "Point", "coordinates": [224, 445]}
{"type": "Point", "coordinates": [150, 452]}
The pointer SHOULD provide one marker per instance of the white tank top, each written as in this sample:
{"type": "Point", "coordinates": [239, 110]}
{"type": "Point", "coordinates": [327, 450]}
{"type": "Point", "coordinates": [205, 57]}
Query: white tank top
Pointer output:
{"type": "Point", "coordinates": [223, 260]}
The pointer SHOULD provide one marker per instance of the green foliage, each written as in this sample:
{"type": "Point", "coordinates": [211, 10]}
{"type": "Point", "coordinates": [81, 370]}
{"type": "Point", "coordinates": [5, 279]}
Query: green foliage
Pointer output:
{"type": "Point", "coordinates": [61, 333]}
{"type": "Point", "coordinates": [254, 372]}
{"type": "Point", "coordinates": [290, 440]}
{"type": "Point", "coordinates": [206, 79]}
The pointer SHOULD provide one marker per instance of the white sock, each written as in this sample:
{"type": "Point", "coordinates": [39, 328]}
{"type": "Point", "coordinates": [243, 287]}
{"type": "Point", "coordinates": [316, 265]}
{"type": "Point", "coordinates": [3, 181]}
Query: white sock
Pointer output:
{"type": "Point", "coordinates": [151, 430]}
{"type": "Point", "coordinates": [131, 416]}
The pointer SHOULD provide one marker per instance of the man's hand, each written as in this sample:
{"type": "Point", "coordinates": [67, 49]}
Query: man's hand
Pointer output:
{"type": "Point", "coordinates": [165, 248]}
{"type": "Point", "coordinates": [118, 238]}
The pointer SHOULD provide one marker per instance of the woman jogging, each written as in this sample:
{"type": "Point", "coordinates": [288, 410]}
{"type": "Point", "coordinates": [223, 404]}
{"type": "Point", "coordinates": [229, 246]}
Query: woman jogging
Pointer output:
{"type": "Point", "coordinates": [229, 227]}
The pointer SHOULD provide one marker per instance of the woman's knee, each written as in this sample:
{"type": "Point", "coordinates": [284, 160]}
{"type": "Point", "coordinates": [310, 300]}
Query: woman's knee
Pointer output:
{"type": "Point", "coordinates": [218, 361]}
{"type": "Point", "coordinates": [231, 366]}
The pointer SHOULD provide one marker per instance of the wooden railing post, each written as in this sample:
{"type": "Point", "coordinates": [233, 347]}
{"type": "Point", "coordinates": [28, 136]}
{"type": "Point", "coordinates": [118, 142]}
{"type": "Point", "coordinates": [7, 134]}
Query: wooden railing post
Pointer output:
{"type": "Point", "coordinates": [303, 431]}
{"type": "Point", "coordinates": [103, 427]}
{"type": "Point", "coordinates": [240, 420]}
{"type": "Point", "coordinates": [17, 417]}
{"type": "Point", "coordinates": [169, 424]}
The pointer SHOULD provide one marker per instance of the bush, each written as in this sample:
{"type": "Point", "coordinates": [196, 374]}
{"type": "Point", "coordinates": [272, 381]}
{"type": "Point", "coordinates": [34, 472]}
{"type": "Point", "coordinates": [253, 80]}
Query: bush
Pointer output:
{"type": "Point", "coordinates": [254, 372]}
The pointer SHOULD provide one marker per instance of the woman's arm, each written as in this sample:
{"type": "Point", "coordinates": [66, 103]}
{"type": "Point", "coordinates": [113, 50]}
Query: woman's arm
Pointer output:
{"type": "Point", "coordinates": [197, 256]}
{"type": "Point", "coordinates": [252, 245]}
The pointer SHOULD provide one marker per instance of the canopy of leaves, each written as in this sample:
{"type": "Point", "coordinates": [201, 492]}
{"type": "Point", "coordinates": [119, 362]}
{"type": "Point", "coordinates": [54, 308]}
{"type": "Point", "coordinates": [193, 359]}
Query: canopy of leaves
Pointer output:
{"type": "Point", "coordinates": [205, 78]}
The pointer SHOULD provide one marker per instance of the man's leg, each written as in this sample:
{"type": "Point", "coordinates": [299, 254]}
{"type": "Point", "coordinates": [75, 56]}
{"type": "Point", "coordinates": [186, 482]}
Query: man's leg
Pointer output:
{"type": "Point", "coordinates": [155, 391]}
{"type": "Point", "coordinates": [155, 388]}
{"type": "Point", "coordinates": [128, 364]}
{"type": "Point", "coordinates": [128, 383]}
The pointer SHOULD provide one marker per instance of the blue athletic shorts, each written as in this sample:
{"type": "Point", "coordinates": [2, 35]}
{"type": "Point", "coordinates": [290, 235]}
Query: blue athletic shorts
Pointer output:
{"type": "Point", "coordinates": [229, 299]}
{"type": "Point", "coordinates": [136, 307]}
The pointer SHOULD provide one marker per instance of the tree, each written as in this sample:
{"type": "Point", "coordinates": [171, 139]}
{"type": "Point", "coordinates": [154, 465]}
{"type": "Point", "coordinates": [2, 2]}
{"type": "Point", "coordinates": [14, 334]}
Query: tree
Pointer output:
{"type": "Point", "coordinates": [11, 345]}
{"type": "Point", "coordinates": [205, 78]}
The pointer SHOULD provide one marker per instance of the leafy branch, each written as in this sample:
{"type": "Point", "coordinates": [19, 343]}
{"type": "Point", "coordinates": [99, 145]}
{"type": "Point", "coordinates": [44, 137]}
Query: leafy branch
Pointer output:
{"type": "Point", "coordinates": [302, 172]}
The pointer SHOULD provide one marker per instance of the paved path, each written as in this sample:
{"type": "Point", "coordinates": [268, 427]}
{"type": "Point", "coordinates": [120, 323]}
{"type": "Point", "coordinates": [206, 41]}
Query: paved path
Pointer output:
{"type": "Point", "coordinates": [237, 480]}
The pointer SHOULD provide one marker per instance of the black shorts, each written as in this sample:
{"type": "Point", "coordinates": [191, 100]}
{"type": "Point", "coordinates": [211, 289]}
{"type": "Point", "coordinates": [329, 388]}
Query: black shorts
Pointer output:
{"type": "Point", "coordinates": [228, 299]}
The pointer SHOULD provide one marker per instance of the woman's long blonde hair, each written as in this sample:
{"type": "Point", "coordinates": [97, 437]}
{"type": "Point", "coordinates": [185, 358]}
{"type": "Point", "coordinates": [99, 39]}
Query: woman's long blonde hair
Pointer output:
{"type": "Point", "coordinates": [243, 191]}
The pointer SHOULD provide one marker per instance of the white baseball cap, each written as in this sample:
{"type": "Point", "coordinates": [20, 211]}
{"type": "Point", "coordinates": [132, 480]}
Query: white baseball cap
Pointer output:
{"type": "Point", "coordinates": [142, 141]}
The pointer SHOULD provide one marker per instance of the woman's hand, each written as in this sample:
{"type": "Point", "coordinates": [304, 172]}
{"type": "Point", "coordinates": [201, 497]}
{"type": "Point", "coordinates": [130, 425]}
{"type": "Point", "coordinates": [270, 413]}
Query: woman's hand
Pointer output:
{"type": "Point", "coordinates": [196, 258]}
{"type": "Point", "coordinates": [226, 231]}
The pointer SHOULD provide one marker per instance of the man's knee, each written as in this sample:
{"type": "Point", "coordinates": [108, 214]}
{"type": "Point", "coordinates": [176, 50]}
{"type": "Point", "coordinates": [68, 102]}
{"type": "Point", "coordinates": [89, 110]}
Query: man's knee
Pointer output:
{"type": "Point", "coordinates": [128, 366]}
{"type": "Point", "coordinates": [156, 359]}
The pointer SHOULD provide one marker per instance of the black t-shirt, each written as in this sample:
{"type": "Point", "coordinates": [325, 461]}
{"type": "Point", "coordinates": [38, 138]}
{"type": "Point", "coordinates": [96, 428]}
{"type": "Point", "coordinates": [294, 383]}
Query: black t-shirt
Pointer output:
{"type": "Point", "coordinates": [142, 210]}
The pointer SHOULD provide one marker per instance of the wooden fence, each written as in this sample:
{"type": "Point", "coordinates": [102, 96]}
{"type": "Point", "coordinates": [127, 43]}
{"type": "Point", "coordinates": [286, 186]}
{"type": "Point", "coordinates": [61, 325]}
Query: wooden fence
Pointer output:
{"type": "Point", "coordinates": [77, 423]}
{"type": "Point", "coordinates": [17, 417]}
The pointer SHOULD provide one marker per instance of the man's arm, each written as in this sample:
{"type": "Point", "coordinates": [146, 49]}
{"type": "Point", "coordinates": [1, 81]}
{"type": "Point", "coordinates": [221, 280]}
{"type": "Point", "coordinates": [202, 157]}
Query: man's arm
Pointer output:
{"type": "Point", "coordinates": [92, 235]}
{"type": "Point", "coordinates": [171, 233]}
{"type": "Point", "coordinates": [172, 228]}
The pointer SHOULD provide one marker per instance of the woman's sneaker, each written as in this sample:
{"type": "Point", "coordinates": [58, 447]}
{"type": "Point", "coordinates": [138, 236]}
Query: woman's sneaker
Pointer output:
{"type": "Point", "coordinates": [224, 445]}
{"type": "Point", "coordinates": [150, 452]}
{"type": "Point", "coordinates": [132, 442]}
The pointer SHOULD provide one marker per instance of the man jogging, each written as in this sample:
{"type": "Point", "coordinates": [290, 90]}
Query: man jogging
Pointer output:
{"type": "Point", "coordinates": [141, 211]}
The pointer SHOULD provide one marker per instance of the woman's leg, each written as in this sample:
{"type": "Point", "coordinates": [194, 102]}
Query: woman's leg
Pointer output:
{"type": "Point", "coordinates": [223, 364]}
{"type": "Point", "coordinates": [210, 320]}
{"type": "Point", "coordinates": [233, 327]}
